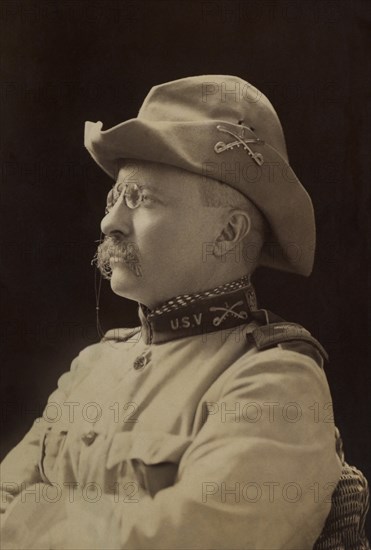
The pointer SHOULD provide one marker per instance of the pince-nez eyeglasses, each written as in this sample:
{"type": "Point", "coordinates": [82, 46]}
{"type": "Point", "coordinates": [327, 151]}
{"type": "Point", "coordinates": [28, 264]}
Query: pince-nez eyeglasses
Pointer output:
{"type": "Point", "coordinates": [132, 194]}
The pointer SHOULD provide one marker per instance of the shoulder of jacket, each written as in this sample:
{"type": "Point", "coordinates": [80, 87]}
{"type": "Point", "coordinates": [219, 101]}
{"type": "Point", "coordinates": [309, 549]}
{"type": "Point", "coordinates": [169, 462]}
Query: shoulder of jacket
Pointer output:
{"type": "Point", "coordinates": [94, 353]}
{"type": "Point", "coordinates": [289, 336]}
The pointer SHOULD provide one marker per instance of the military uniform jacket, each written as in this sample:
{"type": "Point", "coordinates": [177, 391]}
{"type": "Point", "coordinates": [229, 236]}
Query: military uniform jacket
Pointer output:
{"type": "Point", "coordinates": [174, 436]}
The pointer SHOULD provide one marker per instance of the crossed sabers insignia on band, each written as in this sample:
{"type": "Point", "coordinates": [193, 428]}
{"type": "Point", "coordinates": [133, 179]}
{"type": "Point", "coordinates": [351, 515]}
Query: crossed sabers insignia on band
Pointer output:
{"type": "Point", "coordinates": [228, 310]}
{"type": "Point", "coordinates": [221, 146]}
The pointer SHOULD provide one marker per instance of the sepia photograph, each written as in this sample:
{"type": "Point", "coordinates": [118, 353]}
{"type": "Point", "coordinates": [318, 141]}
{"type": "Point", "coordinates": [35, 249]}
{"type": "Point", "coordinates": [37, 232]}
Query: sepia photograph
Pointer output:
{"type": "Point", "coordinates": [184, 275]}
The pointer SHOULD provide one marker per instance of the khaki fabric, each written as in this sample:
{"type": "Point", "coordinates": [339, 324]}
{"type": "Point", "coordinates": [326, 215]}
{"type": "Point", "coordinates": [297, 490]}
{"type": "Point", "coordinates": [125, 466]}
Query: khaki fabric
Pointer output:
{"type": "Point", "coordinates": [209, 444]}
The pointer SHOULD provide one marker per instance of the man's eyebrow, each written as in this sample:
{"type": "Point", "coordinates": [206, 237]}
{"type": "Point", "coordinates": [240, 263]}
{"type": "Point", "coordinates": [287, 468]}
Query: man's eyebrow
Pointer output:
{"type": "Point", "coordinates": [141, 185]}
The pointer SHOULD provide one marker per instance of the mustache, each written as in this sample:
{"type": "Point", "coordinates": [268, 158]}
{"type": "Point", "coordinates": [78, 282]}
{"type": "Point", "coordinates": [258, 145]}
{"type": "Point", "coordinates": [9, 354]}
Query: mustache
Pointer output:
{"type": "Point", "coordinates": [112, 247]}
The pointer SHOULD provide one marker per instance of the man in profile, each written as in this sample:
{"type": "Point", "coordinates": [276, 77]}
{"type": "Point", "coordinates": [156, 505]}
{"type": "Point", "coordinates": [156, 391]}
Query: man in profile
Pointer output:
{"type": "Point", "coordinates": [204, 427]}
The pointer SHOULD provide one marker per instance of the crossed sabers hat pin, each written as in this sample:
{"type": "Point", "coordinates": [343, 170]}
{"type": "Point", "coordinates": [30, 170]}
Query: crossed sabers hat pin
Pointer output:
{"type": "Point", "coordinates": [239, 140]}
{"type": "Point", "coordinates": [228, 311]}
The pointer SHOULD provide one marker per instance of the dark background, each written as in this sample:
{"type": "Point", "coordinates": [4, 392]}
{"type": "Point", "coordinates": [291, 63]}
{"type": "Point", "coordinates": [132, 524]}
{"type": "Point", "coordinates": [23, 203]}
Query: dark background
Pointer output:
{"type": "Point", "coordinates": [67, 62]}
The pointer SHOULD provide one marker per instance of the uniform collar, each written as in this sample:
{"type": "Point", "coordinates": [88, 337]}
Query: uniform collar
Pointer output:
{"type": "Point", "coordinates": [221, 308]}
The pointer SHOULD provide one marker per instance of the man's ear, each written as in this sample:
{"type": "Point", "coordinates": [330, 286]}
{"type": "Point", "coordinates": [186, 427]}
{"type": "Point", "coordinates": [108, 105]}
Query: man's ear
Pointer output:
{"type": "Point", "coordinates": [236, 228]}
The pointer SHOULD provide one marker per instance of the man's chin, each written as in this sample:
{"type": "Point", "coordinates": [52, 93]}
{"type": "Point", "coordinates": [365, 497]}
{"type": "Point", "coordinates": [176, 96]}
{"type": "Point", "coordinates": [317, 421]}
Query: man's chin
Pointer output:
{"type": "Point", "coordinates": [124, 282]}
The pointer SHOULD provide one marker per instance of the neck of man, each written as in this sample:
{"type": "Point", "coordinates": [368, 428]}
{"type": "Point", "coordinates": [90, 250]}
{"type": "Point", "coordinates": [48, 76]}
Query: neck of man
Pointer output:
{"type": "Point", "coordinates": [214, 279]}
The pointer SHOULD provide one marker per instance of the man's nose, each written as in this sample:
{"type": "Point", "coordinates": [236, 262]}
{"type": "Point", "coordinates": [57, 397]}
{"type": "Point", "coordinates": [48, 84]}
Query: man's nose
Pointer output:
{"type": "Point", "coordinates": [117, 219]}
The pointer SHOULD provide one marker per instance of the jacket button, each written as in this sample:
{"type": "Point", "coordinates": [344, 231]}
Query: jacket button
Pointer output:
{"type": "Point", "coordinates": [142, 360]}
{"type": "Point", "coordinates": [139, 363]}
{"type": "Point", "coordinates": [89, 438]}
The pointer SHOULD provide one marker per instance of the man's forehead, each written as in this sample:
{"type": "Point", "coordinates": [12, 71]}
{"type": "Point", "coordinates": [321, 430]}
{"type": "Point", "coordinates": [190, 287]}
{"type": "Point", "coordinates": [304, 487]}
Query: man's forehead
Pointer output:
{"type": "Point", "coordinates": [131, 170]}
{"type": "Point", "coordinates": [142, 168]}
{"type": "Point", "coordinates": [156, 176]}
